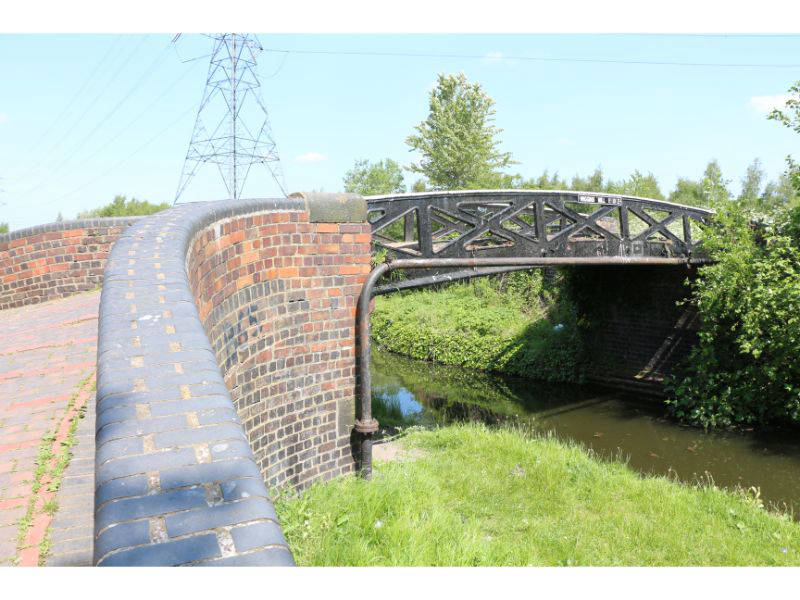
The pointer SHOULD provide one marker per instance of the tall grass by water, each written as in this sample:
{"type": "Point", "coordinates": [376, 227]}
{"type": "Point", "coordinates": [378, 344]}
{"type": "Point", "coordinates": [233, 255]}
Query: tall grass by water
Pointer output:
{"type": "Point", "coordinates": [502, 497]}
{"type": "Point", "coordinates": [517, 325]}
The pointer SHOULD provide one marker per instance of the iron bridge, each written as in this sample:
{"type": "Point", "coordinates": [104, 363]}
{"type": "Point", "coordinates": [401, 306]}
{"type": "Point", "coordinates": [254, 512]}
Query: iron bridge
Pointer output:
{"type": "Point", "coordinates": [559, 227]}
{"type": "Point", "coordinates": [456, 235]}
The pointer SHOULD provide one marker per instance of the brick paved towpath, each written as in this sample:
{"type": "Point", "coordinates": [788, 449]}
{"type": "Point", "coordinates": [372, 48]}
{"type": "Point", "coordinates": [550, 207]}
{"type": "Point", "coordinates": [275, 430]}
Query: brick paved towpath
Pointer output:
{"type": "Point", "coordinates": [47, 364]}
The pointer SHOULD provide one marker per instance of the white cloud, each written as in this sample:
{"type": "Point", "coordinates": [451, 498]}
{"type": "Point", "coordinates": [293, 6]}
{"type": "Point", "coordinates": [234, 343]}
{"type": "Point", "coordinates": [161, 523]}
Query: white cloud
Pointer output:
{"type": "Point", "coordinates": [3, 118]}
{"type": "Point", "coordinates": [311, 157]}
{"type": "Point", "coordinates": [766, 104]}
{"type": "Point", "coordinates": [563, 141]}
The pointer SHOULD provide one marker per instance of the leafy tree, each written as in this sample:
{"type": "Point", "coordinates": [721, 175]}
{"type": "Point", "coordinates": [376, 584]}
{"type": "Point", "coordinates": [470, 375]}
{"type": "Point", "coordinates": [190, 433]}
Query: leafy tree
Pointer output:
{"type": "Point", "coordinates": [781, 193]}
{"type": "Point", "coordinates": [3, 227]}
{"type": "Point", "coordinates": [752, 184]}
{"type": "Point", "coordinates": [59, 217]}
{"type": "Point", "coordinates": [790, 117]}
{"type": "Point", "coordinates": [419, 186]}
{"type": "Point", "coordinates": [371, 179]}
{"type": "Point", "coordinates": [688, 192]}
{"type": "Point", "coordinates": [744, 370]}
{"type": "Point", "coordinates": [458, 142]}
{"type": "Point", "coordinates": [715, 188]}
{"type": "Point", "coordinates": [637, 184]}
{"type": "Point", "coordinates": [593, 183]}
{"type": "Point", "coordinates": [122, 207]}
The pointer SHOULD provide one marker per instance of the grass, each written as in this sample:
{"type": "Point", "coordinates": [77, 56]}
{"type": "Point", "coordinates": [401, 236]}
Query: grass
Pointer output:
{"type": "Point", "coordinates": [501, 497]}
{"type": "Point", "coordinates": [55, 475]}
{"type": "Point", "coordinates": [483, 325]}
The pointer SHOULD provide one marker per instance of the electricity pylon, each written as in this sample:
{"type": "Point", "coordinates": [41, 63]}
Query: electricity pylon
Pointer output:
{"type": "Point", "coordinates": [232, 127]}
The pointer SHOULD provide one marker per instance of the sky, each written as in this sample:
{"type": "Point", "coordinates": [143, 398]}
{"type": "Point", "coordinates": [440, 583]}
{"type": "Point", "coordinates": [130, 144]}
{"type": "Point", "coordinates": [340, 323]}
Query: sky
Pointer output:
{"type": "Point", "coordinates": [86, 117]}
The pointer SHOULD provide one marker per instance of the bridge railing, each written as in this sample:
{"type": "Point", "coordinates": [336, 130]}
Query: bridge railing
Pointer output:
{"type": "Point", "coordinates": [516, 223]}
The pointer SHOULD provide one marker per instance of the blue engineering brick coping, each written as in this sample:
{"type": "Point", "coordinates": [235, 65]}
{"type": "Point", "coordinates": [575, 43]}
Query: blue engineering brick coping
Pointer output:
{"type": "Point", "coordinates": [176, 481]}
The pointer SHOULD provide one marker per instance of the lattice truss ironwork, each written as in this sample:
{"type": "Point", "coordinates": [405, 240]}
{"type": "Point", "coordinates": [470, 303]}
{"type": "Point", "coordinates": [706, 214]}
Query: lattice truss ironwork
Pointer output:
{"type": "Point", "coordinates": [533, 223]}
{"type": "Point", "coordinates": [232, 129]}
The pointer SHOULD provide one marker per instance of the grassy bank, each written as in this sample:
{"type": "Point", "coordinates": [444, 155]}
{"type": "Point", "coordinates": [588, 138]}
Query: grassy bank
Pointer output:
{"type": "Point", "coordinates": [489, 497]}
{"type": "Point", "coordinates": [514, 326]}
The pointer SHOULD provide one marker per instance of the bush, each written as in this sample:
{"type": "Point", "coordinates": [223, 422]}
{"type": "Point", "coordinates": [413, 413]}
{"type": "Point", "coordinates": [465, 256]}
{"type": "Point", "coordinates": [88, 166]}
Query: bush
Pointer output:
{"type": "Point", "coordinates": [512, 324]}
{"type": "Point", "coordinates": [745, 368]}
{"type": "Point", "coordinates": [122, 207]}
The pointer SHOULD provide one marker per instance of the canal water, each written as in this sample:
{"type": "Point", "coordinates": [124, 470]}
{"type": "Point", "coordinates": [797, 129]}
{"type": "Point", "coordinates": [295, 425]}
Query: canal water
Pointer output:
{"type": "Point", "coordinates": [408, 392]}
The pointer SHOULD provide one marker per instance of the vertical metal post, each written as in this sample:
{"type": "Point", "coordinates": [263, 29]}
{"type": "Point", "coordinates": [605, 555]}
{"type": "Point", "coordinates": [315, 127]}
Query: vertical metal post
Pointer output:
{"type": "Point", "coordinates": [233, 87]}
{"type": "Point", "coordinates": [408, 227]}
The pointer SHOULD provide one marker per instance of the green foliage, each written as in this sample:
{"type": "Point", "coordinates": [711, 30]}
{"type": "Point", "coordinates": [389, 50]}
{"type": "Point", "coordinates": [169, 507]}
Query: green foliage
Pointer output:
{"type": "Point", "coordinates": [513, 325]}
{"type": "Point", "coordinates": [752, 184]}
{"type": "Point", "coordinates": [645, 186]}
{"type": "Point", "coordinates": [688, 192]}
{"type": "Point", "coordinates": [715, 188]}
{"type": "Point", "coordinates": [372, 179]}
{"type": "Point", "coordinates": [790, 117]}
{"type": "Point", "coordinates": [470, 496]}
{"type": "Point", "coordinates": [122, 207]}
{"type": "Point", "coordinates": [458, 141]}
{"type": "Point", "coordinates": [3, 227]}
{"type": "Point", "coordinates": [744, 370]}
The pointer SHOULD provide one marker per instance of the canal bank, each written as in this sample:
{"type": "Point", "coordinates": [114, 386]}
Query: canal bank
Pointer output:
{"type": "Point", "coordinates": [471, 495]}
{"type": "Point", "coordinates": [611, 424]}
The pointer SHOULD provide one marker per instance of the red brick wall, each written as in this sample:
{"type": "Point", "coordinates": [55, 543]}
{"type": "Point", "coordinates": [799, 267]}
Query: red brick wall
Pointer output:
{"type": "Point", "coordinates": [277, 297]}
{"type": "Point", "coordinates": [57, 260]}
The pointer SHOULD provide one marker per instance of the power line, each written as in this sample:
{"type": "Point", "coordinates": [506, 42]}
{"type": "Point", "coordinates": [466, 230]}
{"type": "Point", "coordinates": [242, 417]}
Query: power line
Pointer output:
{"type": "Point", "coordinates": [136, 119]}
{"type": "Point", "coordinates": [539, 59]}
{"type": "Point", "coordinates": [121, 162]}
{"type": "Point", "coordinates": [78, 93]}
{"type": "Point", "coordinates": [104, 88]}
{"type": "Point", "coordinates": [102, 122]}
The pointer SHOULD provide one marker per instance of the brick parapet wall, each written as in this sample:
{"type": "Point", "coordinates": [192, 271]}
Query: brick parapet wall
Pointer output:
{"type": "Point", "coordinates": [56, 260]}
{"type": "Point", "coordinates": [177, 481]}
{"type": "Point", "coordinates": [277, 295]}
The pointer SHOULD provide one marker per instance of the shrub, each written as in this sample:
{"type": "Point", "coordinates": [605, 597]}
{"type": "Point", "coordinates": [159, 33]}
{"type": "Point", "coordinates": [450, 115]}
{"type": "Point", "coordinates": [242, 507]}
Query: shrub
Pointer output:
{"type": "Point", "coordinates": [744, 370]}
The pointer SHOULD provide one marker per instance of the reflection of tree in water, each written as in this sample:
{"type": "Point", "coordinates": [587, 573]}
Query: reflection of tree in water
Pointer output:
{"type": "Point", "coordinates": [448, 411]}
{"type": "Point", "coordinates": [455, 394]}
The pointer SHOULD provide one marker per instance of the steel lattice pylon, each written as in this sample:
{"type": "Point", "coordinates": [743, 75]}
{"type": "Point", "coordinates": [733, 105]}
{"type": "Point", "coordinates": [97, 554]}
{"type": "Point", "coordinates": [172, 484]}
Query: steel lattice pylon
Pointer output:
{"type": "Point", "coordinates": [224, 132]}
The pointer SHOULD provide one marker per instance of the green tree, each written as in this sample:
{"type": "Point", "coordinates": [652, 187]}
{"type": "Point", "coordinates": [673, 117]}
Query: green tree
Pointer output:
{"type": "Point", "coordinates": [790, 117]}
{"type": "Point", "coordinates": [752, 184]}
{"type": "Point", "coordinates": [3, 227]}
{"type": "Point", "coordinates": [122, 207]}
{"type": "Point", "coordinates": [744, 369]}
{"type": "Point", "coordinates": [458, 141]}
{"type": "Point", "coordinates": [715, 188]}
{"type": "Point", "coordinates": [781, 193]}
{"type": "Point", "coordinates": [688, 192]}
{"type": "Point", "coordinates": [419, 186]}
{"type": "Point", "coordinates": [372, 179]}
{"type": "Point", "coordinates": [593, 183]}
{"type": "Point", "coordinates": [645, 186]}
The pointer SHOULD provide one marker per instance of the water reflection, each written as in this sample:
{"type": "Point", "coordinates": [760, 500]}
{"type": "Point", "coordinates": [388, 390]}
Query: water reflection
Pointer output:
{"type": "Point", "coordinates": [409, 392]}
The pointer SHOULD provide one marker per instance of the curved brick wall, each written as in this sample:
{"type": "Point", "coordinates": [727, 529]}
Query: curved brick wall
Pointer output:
{"type": "Point", "coordinates": [187, 428]}
{"type": "Point", "coordinates": [56, 260]}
